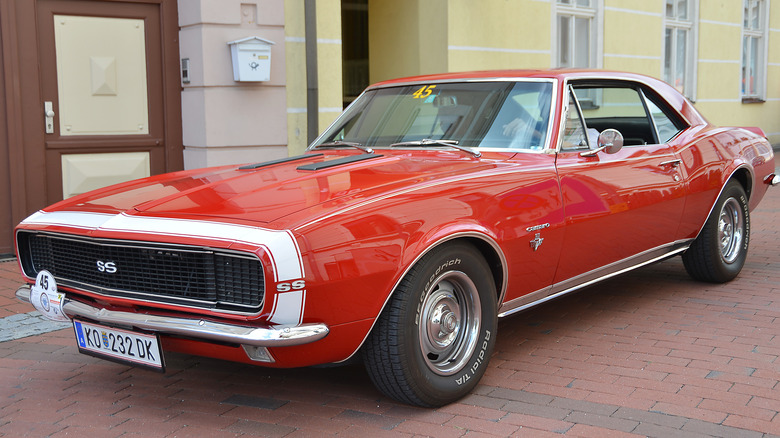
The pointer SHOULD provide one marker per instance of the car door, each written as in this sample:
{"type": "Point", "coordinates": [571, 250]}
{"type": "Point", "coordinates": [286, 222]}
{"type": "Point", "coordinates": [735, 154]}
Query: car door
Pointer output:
{"type": "Point", "coordinates": [622, 209]}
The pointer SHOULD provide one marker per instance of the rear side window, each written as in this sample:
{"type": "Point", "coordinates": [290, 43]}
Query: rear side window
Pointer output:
{"type": "Point", "coordinates": [664, 125]}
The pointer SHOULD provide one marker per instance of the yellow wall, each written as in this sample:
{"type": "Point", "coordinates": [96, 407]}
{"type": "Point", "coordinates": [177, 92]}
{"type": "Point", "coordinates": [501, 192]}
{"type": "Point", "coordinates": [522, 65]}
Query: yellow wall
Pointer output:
{"type": "Point", "coordinates": [499, 35]}
{"type": "Point", "coordinates": [719, 78]}
{"type": "Point", "coordinates": [329, 62]}
{"type": "Point", "coordinates": [407, 38]}
{"type": "Point", "coordinates": [294, 33]}
{"type": "Point", "coordinates": [768, 114]}
{"type": "Point", "coordinates": [328, 68]}
{"type": "Point", "coordinates": [633, 39]}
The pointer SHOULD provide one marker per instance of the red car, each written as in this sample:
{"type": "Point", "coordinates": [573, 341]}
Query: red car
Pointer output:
{"type": "Point", "coordinates": [430, 208]}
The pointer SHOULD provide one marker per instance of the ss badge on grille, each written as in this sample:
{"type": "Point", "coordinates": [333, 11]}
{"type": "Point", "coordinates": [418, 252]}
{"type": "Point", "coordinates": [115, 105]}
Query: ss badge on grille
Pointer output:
{"type": "Point", "coordinates": [107, 267]}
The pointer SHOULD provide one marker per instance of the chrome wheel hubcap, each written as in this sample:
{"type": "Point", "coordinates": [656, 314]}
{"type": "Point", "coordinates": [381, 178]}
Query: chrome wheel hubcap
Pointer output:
{"type": "Point", "coordinates": [449, 323]}
{"type": "Point", "coordinates": [731, 230]}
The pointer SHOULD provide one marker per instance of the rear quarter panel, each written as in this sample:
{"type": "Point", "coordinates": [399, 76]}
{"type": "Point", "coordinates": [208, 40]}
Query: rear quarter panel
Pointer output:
{"type": "Point", "coordinates": [710, 158]}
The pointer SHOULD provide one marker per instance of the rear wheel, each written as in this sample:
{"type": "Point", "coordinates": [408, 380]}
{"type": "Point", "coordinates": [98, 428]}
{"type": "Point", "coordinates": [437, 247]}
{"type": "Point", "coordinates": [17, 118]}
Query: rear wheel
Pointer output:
{"type": "Point", "coordinates": [431, 344]}
{"type": "Point", "coordinates": [718, 253]}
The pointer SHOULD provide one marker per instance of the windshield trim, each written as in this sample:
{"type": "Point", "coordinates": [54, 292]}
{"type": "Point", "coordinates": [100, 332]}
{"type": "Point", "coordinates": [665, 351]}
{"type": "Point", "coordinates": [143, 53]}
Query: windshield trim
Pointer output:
{"type": "Point", "coordinates": [548, 148]}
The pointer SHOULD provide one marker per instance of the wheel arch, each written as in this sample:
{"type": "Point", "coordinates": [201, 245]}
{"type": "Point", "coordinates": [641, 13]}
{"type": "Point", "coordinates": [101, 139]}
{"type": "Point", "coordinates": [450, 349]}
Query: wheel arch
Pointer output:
{"type": "Point", "coordinates": [745, 177]}
{"type": "Point", "coordinates": [495, 259]}
{"type": "Point", "coordinates": [486, 246]}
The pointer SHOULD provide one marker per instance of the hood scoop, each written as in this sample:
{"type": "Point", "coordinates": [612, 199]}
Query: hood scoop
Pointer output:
{"type": "Point", "coordinates": [337, 162]}
{"type": "Point", "coordinates": [279, 161]}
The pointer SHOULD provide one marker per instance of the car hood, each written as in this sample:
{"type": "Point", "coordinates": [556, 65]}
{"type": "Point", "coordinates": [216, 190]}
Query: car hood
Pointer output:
{"type": "Point", "coordinates": [265, 193]}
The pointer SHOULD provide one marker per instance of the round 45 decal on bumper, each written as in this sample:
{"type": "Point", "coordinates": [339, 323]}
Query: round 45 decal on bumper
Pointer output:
{"type": "Point", "coordinates": [45, 297]}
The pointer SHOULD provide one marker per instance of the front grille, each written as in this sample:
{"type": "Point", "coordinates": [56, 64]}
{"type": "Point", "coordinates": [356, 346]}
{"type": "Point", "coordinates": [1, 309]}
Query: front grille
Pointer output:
{"type": "Point", "coordinates": [192, 276]}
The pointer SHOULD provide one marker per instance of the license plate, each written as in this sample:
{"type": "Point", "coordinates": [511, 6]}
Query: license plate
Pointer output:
{"type": "Point", "coordinates": [124, 346]}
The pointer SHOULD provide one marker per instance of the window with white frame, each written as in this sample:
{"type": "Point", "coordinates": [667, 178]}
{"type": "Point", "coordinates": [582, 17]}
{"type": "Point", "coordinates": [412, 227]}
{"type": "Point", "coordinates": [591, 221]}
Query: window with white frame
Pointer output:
{"type": "Point", "coordinates": [754, 37]}
{"type": "Point", "coordinates": [576, 33]}
{"type": "Point", "coordinates": [679, 68]}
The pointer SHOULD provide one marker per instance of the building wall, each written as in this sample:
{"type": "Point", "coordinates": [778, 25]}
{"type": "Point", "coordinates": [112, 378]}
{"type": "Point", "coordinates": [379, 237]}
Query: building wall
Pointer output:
{"type": "Point", "coordinates": [225, 121]}
{"type": "Point", "coordinates": [407, 38]}
{"type": "Point", "coordinates": [507, 35]}
{"type": "Point", "coordinates": [633, 36]}
{"type": "Point", "coordinates": [295, 42]}
{"type": "Point", "coordinates": [329, 67]}
{"type": "Point", "coordinates": [329, 62]}
{"type": "Point", "coordinates": [720, 54]}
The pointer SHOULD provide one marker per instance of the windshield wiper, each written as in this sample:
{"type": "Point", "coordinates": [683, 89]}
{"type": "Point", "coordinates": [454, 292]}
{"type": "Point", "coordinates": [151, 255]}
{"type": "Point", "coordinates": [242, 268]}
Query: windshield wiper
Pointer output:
{"type": "Point", "coordinates": [345, 143]}
{"type": "Point", "coordinates": [428, 142]}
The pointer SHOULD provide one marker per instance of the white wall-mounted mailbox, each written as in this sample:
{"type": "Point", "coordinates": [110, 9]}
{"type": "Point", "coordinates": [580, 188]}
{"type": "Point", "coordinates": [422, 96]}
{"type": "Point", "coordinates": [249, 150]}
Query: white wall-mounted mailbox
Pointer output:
{"type": "Point", "coordinates": [251, 59]}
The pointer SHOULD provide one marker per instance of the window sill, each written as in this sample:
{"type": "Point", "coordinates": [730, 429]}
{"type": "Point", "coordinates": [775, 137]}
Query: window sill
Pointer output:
{"type": "Point", "coordinates": [752, 100]}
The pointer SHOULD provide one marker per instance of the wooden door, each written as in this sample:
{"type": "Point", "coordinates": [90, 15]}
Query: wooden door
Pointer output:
{"type": "Point", "coordinates": [106, 72]}
{"type": "Point", "coordinates": [6, 220]}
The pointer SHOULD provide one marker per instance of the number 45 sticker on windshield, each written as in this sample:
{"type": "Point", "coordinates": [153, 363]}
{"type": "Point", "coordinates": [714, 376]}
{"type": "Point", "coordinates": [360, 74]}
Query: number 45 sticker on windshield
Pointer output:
{"type": "Point", "coordinates": [424, 92]}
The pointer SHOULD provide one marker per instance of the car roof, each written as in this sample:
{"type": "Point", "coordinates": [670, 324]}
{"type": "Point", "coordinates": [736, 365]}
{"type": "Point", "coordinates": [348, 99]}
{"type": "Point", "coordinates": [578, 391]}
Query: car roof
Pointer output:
{"type": "Point", "coordinates": [560, 74]}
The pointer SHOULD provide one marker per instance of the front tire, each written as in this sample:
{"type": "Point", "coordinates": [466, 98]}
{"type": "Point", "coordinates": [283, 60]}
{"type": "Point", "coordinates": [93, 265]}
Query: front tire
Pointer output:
{"type": "Point", "coordinates": [431, 344]}
{"type": "Point", "coordinates": [719, 252]}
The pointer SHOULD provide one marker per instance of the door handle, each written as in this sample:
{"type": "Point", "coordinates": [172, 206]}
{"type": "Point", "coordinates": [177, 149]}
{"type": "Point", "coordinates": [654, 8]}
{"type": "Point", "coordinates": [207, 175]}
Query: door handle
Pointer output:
{"type": "Point", "coordinates": [674, 163]}
{"type": "Point", "coordinates": [48, 117]}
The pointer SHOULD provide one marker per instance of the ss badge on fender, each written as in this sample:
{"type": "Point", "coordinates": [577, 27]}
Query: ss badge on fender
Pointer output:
{"type": "Point", "coordinates": [287, 286]}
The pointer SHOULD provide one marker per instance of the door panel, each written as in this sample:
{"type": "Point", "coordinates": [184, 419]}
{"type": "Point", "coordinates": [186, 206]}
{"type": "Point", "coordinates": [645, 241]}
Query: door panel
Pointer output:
{"type": "Point", "coordinates": [84, 172]}
{"type": "Point", "coordinates": [101, 75]}
{"type": "Point", "coordinates": [617, 206]}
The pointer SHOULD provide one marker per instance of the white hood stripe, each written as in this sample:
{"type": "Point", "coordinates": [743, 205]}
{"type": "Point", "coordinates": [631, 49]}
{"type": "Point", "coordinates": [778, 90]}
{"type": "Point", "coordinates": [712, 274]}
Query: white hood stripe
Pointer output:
{"type": "Point", "coordinates": [280, 245]}
{"type": "Point", "coordinates": [286, 308]}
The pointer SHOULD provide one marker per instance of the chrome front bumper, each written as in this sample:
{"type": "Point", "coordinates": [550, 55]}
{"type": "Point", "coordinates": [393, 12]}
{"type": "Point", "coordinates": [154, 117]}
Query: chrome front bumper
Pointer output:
{"type": "Point", "coordinates": [263, 336]}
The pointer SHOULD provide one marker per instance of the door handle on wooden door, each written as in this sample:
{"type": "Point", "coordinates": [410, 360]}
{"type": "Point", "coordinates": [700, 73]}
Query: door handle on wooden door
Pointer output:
{"type": "Point", "coordinates": [48, 113]}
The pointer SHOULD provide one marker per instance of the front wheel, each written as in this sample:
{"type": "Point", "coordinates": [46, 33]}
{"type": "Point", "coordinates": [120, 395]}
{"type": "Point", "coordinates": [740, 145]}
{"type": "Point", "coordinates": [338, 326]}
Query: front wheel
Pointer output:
{"type": "Point", "coordinates": [431, 344]}
{"type": "Point", "coordinates": [718, 253]}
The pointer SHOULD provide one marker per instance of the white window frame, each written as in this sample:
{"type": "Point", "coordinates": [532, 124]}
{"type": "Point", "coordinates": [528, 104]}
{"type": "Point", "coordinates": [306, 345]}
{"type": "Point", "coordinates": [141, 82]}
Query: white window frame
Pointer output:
{"type": "Point", "coordinates": [762, 35]}
{"type": "Point", "coordinates": [692, 42]}
{"type": "Point", "coordinates": [595, 12]}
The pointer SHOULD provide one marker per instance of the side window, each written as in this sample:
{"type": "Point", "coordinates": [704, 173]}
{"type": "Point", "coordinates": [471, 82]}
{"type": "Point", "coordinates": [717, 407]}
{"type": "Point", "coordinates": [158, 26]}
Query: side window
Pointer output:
{"type": "Point", "coordinates": [620, 108]}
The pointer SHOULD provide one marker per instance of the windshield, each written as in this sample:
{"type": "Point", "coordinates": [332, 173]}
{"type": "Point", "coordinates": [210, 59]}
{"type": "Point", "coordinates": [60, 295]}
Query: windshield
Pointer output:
{"type": "Point", "coordinates": [474, 114]}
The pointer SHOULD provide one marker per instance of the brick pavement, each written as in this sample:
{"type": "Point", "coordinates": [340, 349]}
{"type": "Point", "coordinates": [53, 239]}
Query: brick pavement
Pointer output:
{"type": "Point", "coordinates": [650, 353]}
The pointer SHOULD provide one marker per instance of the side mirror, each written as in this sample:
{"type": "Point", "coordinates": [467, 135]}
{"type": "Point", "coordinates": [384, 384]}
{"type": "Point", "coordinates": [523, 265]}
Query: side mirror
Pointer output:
{"type": "Point", "coordinates": [610, 141]}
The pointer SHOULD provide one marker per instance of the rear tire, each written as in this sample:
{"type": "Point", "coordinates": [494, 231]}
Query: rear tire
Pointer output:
{"type": "Point", "coordinates": [719, 252]}
{"type": "Point", "coordinates": [431, 344]}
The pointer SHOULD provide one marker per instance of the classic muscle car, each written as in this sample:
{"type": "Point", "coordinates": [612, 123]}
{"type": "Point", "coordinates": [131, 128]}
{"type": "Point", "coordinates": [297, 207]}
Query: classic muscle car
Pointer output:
{"type": "Point", "coordinates": [430, 208]}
